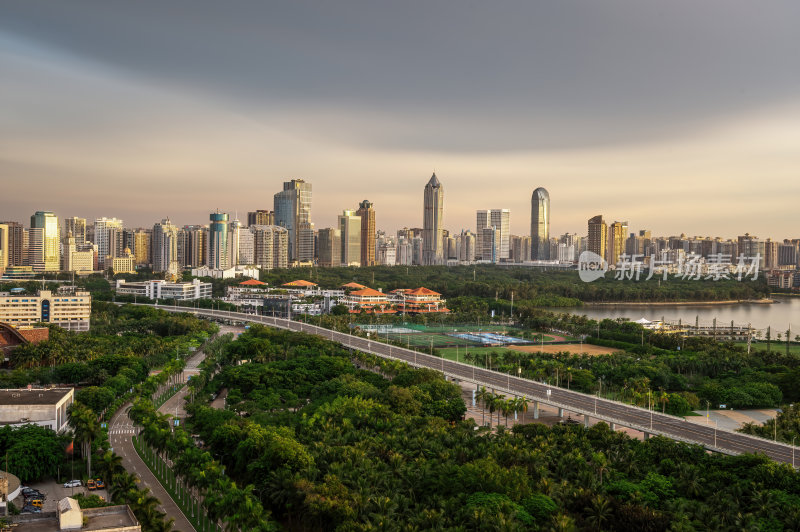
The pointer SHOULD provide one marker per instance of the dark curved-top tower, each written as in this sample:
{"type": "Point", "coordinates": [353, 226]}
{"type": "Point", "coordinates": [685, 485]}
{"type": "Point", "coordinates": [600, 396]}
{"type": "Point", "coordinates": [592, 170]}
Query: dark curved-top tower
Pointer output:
{"type": "Point", "coordinates": [540, 224]}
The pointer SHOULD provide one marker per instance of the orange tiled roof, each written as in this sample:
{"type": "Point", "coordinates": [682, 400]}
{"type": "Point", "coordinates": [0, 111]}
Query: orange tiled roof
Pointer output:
{"type": "Point", "coordinates": [300, 282]}
{"type": "Point", "coordinates": [251, 282]}
{"type": "Point", "coordinates": [422, 291]}
{"type": "Point", "coordinates": [354, 285]}
{"type": "Point", "coordinates": [367, 292]}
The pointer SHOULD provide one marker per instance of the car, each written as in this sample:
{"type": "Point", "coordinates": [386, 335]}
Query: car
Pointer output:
{"type": "Point", "coordinates": [30, 492]}
{"type": "Point", "coordinates": [90, 484]}
{"type": "Point", "coordinates": [73, 484]}
{"type": "Point", "coordinates": [99, 484]}
{"type": "Point", "coordinates": [35, 502]}
{"type": "Point", "coordinates": [28, 509]}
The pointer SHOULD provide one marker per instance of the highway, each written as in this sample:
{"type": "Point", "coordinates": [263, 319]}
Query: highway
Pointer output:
{"type": "Point", "coordinates": [642, 419]}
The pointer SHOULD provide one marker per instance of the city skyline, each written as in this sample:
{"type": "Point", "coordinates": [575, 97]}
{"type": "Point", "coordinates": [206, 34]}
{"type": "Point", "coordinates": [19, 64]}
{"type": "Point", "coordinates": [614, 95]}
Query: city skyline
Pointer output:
{"type": "Point", "coordinates": [641, 112]}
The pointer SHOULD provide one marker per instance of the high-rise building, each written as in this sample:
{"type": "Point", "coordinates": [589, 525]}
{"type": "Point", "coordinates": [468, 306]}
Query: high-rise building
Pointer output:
{"type": "Point", "coordinates": [350, 228]}
{"type": "Point", "coordinates": [616, 241]}
{"type": "Point", "coordinates": [466, 250]}
{"type": "Point", "coordinates": [165, 247]}
{"type": "Point", "coordinates": [367, 214]}
{"type": "Point", "coordinates": [107, 239]}
{"type": "Point", "coordinates": [293, 211]}
{"type": "Point", "coordinates": [192, 246]}
{"type": "Point", "coordinates": [3, 248]}
{"type": "Point", "coordinates": [751, 247]}
{"type": "Point", "coordinates": [433, 223]}
{"type": "Point", "coordinates": [260, 217]}
{"type": "Point", "coordinates": [73, 259]}
{"type": "Point", "coordinates": [17, 243]}
{"type": "Point", "coordinates": [598, 235]}
{"type": "Point", "coordinates": [44, 247]}
{"type": "Point", "coordinates": [330, 247]}
{"type": "Point", "coordinates": [270, 246]}
{"type": "Point", "coordinates": [500, 221]}
{"type": "Point", "coordinates": [217, 244]}
{"type": "Point", "coordinates": [76, 226]}
{"type": "Point", "coordinates": [540, 224]}
{"type": "Point", "coordinates": [142, 248]}
{"type": "Point", "coordinates": [234, 229]}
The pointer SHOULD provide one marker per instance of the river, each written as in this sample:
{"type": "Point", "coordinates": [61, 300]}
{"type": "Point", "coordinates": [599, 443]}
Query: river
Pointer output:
{"type": "Point", "coordinates": [782, 314]}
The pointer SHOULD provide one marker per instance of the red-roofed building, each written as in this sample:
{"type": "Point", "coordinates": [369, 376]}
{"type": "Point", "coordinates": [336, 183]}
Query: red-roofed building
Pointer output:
{"type": "Point", "coordinates": [368, 301]}
{"type": "Point", "coordinates": [300, 283]}
{"type": "Point", "coordinates": [420, 300]}
{"type": "Point", "coordinates": [11, 337]}
{"type": "Point", "coordinates": [353, 286]}
{"type": "Point", "coordinates": [252, 282]}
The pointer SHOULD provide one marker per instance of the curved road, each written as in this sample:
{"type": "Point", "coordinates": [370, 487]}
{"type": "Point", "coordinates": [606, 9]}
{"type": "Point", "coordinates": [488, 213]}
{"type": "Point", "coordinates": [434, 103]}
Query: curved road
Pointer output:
{"type": "Point", "coordinates": [642, 419]}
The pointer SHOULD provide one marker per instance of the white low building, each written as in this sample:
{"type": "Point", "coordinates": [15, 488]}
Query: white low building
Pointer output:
{"type": "Point", "coordinates": [37, 406]}
{"type": "Point", "coordinates": [160, 289]}
{"type": "Point", "coordinates": [228, 273]}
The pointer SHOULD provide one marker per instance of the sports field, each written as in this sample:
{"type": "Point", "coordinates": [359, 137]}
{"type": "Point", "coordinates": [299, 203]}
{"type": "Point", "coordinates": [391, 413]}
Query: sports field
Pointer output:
{"type": "Point", "coordinates": [575, 349]}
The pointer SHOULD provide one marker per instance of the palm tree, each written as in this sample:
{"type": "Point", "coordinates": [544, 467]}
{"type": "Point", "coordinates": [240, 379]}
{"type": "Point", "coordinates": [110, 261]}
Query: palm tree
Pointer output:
{"type": "Point", "coordinates": [599, 512]}
{"type": "Point", "coordinates": [482, 396]}
{"type": "Point", "coordinates": [121, 485]}
{"type": "Point", "coordinates": [86, 428]}
{"type": "Point", "coordinates": [522, 406]}
{"type": "Point", "coordinates": [109, 464]}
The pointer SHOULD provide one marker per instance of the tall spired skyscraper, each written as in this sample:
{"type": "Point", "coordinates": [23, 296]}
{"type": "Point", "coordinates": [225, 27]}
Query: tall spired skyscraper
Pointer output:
{"type": "Point", "coordinates": [540, 224]}
{"type": "Point", "coordinates": [432, 223]}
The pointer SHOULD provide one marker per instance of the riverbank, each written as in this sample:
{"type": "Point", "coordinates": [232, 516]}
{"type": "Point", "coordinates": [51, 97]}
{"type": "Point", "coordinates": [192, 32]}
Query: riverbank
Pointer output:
{"type": "Point", "coordinates": [763, 301]}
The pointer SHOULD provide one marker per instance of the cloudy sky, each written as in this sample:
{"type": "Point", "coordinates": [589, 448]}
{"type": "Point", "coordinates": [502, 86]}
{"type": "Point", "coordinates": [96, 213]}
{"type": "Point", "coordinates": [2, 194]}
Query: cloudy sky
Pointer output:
{"type": "Point", "coordinates": [678, 116]}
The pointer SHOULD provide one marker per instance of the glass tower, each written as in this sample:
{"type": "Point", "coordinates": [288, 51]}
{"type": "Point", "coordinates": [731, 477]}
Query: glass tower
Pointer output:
{"type": "Point", "coordinates": [540, 225]}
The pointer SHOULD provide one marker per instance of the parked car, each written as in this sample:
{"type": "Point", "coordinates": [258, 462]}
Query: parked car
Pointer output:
{"type": "Point", "coordinates": [90, 484]}
{"type": "Point", "coordinates": [73, 484]}
{"type": "Point", "coordinates": [99, 484]}
{"type": "Point", "coordinates": [35, 502]}
{"type": "Point", "coordinates": [30, 492]}
{"type": "Point", "coordinates": [28, 509]}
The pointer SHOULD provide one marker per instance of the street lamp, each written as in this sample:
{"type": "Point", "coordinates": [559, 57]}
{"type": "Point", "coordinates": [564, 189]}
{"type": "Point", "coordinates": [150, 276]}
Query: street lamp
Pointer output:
{"type": "Point", "coordinates": [716, 425]}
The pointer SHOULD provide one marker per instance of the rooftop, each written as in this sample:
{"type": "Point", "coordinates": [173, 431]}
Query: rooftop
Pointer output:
{"type": "Point", "coordinates": [35, 396]}
{"type": "Point", "coordinates": [354, 285]}
{"type": "Point", "coordinates": [110, 518]}
{"type": "Point", "coordinates": [299, 282]}
{"type": "Point", "coordinates": [367, 292]}
{"type": "Point", "coordinates": [251, 282]}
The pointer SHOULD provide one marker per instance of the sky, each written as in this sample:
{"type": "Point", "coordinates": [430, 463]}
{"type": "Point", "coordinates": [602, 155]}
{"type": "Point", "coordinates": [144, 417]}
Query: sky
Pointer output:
{"type": "Point", "coordinates": [679, 116]}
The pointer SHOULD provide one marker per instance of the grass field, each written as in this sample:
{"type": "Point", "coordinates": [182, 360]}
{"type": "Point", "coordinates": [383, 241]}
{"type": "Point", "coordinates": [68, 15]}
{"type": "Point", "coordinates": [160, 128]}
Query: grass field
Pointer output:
{"type": "Point", "coordinates": [450, 352]}
{"type": "Point", "coordinates": [775, 346]}
{"type": "Point", "coordinates": [425, 340]}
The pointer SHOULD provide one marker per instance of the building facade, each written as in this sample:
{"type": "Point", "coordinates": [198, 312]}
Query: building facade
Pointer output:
{"type": "Point", "coordinates": [217, 244]}
{"type": "Point", "coordinates": [350, 231]}
{"type": "Point", "coordinates": [292, 207]}
{"type": "Point", "coordinates": [44, 246]}
{"type": "Point", "coordinates": [367, 214]}
{"type": "Point", "coordinates": [330, 247]}
{"type": "Point", "coordinates": [598, 235]}
{"type": "Point", "coordinates": [69, 311]}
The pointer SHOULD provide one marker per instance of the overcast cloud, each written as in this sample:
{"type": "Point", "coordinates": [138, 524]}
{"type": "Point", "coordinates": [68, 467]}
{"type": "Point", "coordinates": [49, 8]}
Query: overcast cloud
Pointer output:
{"type": "Point", "coordinates": [679, 116]}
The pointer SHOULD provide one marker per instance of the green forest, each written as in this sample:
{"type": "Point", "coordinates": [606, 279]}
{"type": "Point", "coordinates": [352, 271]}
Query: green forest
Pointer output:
{"type": "Point", "coordinates": [315, 437]}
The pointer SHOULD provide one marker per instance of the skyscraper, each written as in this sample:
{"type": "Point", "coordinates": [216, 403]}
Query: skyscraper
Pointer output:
{"type": "Point", "coordinates": [330, 247]}
{"type": "Point", "coordinates": [217, 244]}
{"type": "Point", "coordinates": [260, 217]}
{"type": "Point", "coordinates": [270, 246]}
{"type": "Point", "coordinates": [293, 211]}
{"type": "Point", "coordinates": [616, 241]}
{"type": "Point", "coordinates": [432, 223]}
{"type": "Point", "coordinates": [350, 228]}
{"type": "Point", "coordinates": [17, 247]}
{"type": "Point", "coordinates": [598, 234]}
{"type": "Point", "coordinates": [165, 247]}
{"type": "Point", "coordinates": [106, 242]}
{"type": "Point", "coordinates": [44, 249]}
{"type": "Point", "coordinates": [4, 253]}
{"type": "Point", "coordinates": [234, 229]}
{"type": "Point", "coordinates": [367, 214]}
{"type": "Point", "coordinates": [76, 226]}
{"type": "Point", "coordinates": [540, 224]}
{"type": "Point", "coordinates": [500, 244]}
